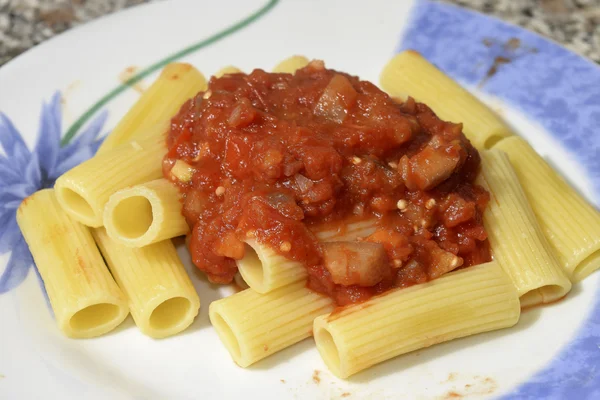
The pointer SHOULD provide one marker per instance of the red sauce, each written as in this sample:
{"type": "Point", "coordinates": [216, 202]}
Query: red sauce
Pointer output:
{"type": "Point", "coordinates": [275, 155]}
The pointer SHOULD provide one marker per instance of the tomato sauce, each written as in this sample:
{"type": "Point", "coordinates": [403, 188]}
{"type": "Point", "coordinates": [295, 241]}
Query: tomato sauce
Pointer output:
{"type": "Point", "coordinates": [272, 156]}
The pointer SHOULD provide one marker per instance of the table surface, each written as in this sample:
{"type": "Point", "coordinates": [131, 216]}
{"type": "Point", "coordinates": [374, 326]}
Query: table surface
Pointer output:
{"type": "Point", "coordinates": [574, 23]}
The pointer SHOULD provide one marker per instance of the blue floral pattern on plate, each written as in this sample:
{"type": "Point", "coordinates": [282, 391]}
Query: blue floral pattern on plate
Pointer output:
{"type": "Point", "coordinates": [554, 87]}
{"type": "Point", "coordinates": [23, 172]}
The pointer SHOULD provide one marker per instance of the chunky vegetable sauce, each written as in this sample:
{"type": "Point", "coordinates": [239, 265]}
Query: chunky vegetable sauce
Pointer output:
{"type": "Point", "coordinates": [276, 157]}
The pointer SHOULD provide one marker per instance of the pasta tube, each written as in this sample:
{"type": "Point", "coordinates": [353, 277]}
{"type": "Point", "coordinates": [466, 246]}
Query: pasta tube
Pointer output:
{"type": "Point", "coordinates": [253, 326]}
{"type": "Point", "coordinates": [515, 236]}
{"type": "Point", "coordinates": [86, 300]}
{"type": "Point", "coordinates": [176, 84]}
{"type": "Point", "coordinates": [264, 270]}
{"type": "Point", "coordinates": [291, 65]}
{"type": "Point", "coordinates": [462, 303]}
{"type": "Point", "coordinates": [230, 69]}
{"type": "Point", "coordinates": [571, 224]}
{"type": "Point", "coordinates": [84, 190]}
{"type": "Point", "coordinates": [145, 214]}
{"type": "Point", "coordinates": [162, 299]}
{"type": "Point", "coordinates": [346, 231]}
{"type": "Point", "coordinates": [409, 74]}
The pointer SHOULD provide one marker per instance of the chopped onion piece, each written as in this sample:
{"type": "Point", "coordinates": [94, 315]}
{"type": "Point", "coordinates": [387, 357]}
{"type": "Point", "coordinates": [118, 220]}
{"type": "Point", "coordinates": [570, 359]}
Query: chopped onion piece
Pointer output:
{"type": "Point", "coordinates": [183, 171]}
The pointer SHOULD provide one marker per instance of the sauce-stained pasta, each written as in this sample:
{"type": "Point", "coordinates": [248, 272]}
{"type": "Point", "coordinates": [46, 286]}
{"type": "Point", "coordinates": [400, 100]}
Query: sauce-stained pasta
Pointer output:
{"type": "Point", "coordinates": [267, 157]}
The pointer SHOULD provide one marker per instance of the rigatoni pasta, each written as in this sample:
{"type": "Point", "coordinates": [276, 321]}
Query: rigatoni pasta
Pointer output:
{"type": "Point", "coordinates": [144, 214]}
{"type": "Point", "coordinates": [470, 301]}
{"type": "Point", "coordinates": [515, 236]}
{"type": "Point", "coordinates": [86, 300]}
{"type": "Point", "coordinates": [176, 84]}
{"type": "Point", "coordinates": [253, 326]}
{"type": "Point", "coordinates": [230, 69]}
{"type": "Point", "coordinates": [409, 74]}
{"type": "Point", "coordinates": [346, 231]}
{"type": "Point", "coordinates": [84, 190]}
{"type": "Point", "coordinates": [569, 222]}
{"type": "Point", "coordinates": [264, 270]}
{"type": "Point", "coordinates": [291, 65]}
{"type": "Point", "coordinates": [161, 297]}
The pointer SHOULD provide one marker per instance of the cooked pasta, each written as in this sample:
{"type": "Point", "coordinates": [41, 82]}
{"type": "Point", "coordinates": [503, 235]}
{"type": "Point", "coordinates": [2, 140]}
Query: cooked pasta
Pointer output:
{"type": "Point", "coordinates": [571, 224]}
{"type": "Point", "coordinates": [176, 84]}
{"type": "Point", "coordinates": [470, 301]}
{"type": "Point", "coordinates": [84, 190]}
{"type": "Point", "coordinates": [86, 300]}
{"type": "Point", "coordinates": [253, 326]}
{"type": "Point", "coordinates": [515, 236]}
{"type": "Point", "coordinates": [144, 214]}
{"type": "Point", "coordinates": [290, 65]}
{"type": "Point", "coordinates": [346, 231]}
{"type": "Point", "coordinates": [409, 74]}
{"type": "Point", "coordinates": [161, 297]}
{"type": "Point", "coordinates": [230, 69]}
{"type": "Point", "coordinates": [264, 270]}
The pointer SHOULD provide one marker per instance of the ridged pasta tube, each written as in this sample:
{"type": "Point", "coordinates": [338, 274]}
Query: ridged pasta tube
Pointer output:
{"type": "Point", "coordinates": [161, 297]}
{"type": "Point", "coordinates": [264, 270]}
{"type": "Point", "coordinates": [230, 69]}
{"type": "Point", "coordinates": [177, 83]}
{"type": "Point", "coordinates": [462, 303]}
{"type": "Point", "coordinates": [569, 222]}
{"type": "Point", "coordinates": [253, 326]}
{"type": "Point", "coordinates": [84, 190]}
{"type": "Point", "coordinates": [145, 214]}
{"type": "Point", "coordinates": [86, 300]}
{"type": "Point", "coordinates": [291, 65]}
{"type": "Point", "coordinates": [409, 74]}
{"type": "Point", "coordinates": [516, 239]}
{"type": "Point", "coordinates": [346, 231]}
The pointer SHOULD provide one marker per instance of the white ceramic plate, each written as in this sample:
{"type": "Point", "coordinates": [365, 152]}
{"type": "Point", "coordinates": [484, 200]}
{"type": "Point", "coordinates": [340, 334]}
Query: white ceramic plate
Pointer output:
{"type": "Point", "coordinates": [548, 94]}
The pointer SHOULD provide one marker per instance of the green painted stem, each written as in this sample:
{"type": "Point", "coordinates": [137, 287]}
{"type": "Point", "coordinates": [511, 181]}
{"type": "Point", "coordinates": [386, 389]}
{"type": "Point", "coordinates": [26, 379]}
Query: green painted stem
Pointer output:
{"type": "Point", "coordinates": [158, 65]}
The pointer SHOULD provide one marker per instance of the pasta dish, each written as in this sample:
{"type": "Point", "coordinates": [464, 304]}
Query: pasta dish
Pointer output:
{"type": "Point", "coordinates": [378, 221]}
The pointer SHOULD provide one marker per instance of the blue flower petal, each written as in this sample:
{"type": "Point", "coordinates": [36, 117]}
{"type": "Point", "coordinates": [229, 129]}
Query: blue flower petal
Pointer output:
{"type": "Point", "coordinates": [5, 216]}
{"type": "Point", "coordinates": [74, 159]}
{"type": "Point", "coordinates": [83, 147]}
{"type": "Point", "coordinates": [17, 191]}
{"type": "Point", "coordinates": [48, 140]}
{"type": "Point", "coordinates": [89, 134]}
{"type": "Point", "coordinates": [96, 145]}
{"type": "Point", "coordinates": [10, 139]}
{"type": "Point", "coordinates": [9, 171]}
{"type": "Point", "coordinates": [17, 267]}
{"type": "Point", "coordinates": [7, 203]}
{"type": "Point", "coordinates": [8, 178]}
{"type": "Point", "coordinates": [13, 204]}
{"type": "Point", "coordinates": [10, 234]}
{"type": "Point", "coordinates": [32, 173]}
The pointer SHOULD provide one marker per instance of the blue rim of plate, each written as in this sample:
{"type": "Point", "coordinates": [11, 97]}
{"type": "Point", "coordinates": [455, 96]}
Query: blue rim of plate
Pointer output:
{"type": "Point", "coordinates": [522, 63]}
{"type": "Point", "coordinates": [556, 88]}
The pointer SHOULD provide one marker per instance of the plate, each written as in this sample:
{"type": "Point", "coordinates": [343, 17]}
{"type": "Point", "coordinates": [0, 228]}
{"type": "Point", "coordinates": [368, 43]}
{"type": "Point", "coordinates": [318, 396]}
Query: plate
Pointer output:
{"type": "Point", "coordinates": [70, 89]}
